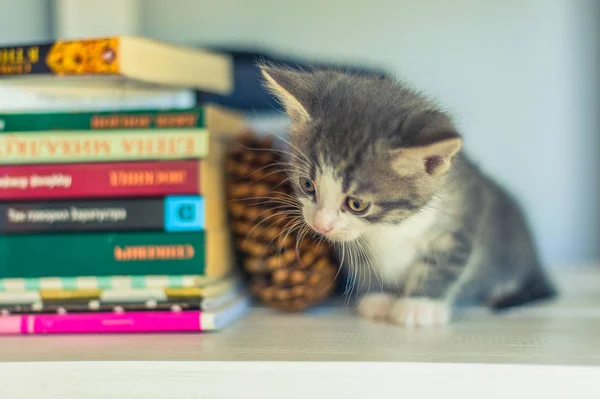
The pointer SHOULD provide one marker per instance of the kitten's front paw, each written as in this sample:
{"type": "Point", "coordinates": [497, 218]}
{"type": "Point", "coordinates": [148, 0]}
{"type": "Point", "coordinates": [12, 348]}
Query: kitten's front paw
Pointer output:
{"type": "Point", "coordinates": [376, 306]}
{"type": "Point", "coordinates": [422, 312]}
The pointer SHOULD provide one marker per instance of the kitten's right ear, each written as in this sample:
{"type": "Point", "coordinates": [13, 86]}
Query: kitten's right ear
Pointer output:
{"type": "Point", "coordinates": [292, 88]}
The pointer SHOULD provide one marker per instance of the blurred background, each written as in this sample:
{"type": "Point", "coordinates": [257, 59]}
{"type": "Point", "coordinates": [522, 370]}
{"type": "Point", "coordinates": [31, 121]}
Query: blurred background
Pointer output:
{"type": "Point", "coordinates": [522, 78]}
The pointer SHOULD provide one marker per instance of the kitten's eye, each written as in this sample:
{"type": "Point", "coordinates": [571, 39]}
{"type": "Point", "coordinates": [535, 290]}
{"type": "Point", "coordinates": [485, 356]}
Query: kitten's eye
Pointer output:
{"type": "Point", "coordinates": [357, 206]}
{"type": "Point", "coordinates": [307, 185]}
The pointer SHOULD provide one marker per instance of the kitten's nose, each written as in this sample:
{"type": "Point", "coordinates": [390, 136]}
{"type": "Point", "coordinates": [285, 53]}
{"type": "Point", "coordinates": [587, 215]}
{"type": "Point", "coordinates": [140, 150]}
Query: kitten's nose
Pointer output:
{"type": "Point", "coordinates": [323, 220]}
{"type": "Point", "coordinates": [323, 229]}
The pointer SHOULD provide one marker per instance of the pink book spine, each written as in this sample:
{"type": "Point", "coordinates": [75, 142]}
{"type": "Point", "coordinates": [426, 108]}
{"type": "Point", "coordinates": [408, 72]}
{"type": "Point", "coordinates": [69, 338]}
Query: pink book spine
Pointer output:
{"type": "Point", "coordinates": [130, 322]}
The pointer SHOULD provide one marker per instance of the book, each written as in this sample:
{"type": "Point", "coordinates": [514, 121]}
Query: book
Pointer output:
{"type": "Point", "coordinates": [102, 180]}
{"type": "Point", "coordinates": [126, 179]}
{"type": "Point", "coordinates": [132, 283]}
{"type": "Point", "coordinates": [103, 120]}
{"type": "Point", "coordinates": [158, 290]}
{"type": "Point", "coordinates": [171, 213]}
{"type": "Point", "coordinates": [248, 91]}
{"type": "Point", "coordinates": [58, 301]}
{"type": "Point", "coordinates": [206, 304]}
{"type": "Point", "coordinates": [14, 99]}
{"type": "Point", "coordinates": [220, 122]}
{"type": "Point", "coordinates": [114, 254]}
{"type": "Point", "coordinates": [124, 322]}
{"type": "Point", "coordinates": [70, 146]}
{"type": "Point", "coordinates": [102, 65]}
{"type": "Point", "coordinates": [219, 259]}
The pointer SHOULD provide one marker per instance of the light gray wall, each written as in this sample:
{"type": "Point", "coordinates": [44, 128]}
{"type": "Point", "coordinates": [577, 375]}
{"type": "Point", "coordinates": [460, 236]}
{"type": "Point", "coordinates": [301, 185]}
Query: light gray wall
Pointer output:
{"type": "Point", "coordinates": [521, 77]}
{"type": "Point", "coordinates": [24, 21]}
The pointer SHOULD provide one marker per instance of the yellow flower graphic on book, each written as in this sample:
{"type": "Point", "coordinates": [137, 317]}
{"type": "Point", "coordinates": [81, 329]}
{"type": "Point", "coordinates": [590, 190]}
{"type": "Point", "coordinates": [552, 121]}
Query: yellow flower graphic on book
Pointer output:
{"type": "Point", "coordinates": [84, 57]}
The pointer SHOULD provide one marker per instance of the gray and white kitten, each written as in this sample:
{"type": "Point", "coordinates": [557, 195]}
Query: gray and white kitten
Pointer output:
{"type": "Point", "coordinates": [379, 170]}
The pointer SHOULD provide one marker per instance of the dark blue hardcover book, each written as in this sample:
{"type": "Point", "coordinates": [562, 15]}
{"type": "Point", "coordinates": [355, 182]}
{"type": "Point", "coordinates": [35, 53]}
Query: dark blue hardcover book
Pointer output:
{"type": "Point", "coordinates": [249, 94]}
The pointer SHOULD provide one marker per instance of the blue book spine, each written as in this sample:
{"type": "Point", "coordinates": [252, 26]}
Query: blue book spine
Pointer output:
{"type": "Point", "coordinates": [184, 213]}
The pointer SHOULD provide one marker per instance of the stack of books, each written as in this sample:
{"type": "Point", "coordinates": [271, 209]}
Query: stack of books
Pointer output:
{"type": "Point", "coordinates": [115, 221]}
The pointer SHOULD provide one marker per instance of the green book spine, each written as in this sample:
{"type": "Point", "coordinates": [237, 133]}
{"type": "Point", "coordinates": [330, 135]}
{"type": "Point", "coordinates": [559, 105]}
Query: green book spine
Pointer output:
{"type": "Point", "coordinates": [98, 254]}
{"type": "Point", "coordinates": [69, 146]}
{"type": "Point", "coordinates": [133, 119]}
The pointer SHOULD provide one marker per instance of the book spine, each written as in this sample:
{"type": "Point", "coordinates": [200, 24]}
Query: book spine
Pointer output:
{"type": "Point", "coordinates": [123, 322]}
{"type": "Point", "coordinates": [19, 303]}
{"type": "Point", "coordinates": [96, 307]}
{"type": "Point", "coordinates": [173, 213]}
{"type": "Point", "coordinates": [64, 57]}
{"type": "Point", "coordinates": [100, 180]}
{"type": "Point", "coordinates": [161, 294]}
{"type": "Point", "coordinates": [134, 284]}
{"type": "Point", "coordinates": [69, 146]}
{"type": "Point", "coordinates": [102, 322]}
{"type": "Point", "coordinates": [107, 120]}
{"type": "Point", "coordinates": [102, 254]}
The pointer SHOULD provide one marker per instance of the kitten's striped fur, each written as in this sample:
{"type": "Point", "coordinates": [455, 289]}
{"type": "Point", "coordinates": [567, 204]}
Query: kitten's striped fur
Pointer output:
{"type": "Point", "coordinates": [437, 232]}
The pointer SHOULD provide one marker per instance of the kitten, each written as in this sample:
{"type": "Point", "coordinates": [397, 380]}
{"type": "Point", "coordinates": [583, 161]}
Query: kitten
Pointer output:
{"type": "Point", "coordinates": [379, 171]}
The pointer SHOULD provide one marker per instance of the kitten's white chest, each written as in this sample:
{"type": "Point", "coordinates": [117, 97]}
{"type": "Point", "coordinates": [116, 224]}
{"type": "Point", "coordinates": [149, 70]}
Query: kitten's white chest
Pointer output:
{"type": "Point", "coordinates": [395, 248]}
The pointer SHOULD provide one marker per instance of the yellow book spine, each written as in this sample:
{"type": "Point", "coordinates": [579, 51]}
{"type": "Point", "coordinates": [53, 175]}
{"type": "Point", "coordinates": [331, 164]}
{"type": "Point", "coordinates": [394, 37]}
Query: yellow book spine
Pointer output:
{"type": "Point", "coordinates": [71, 295]}
{"type": "Point", "coordinates": [71, 146]}
{"type": "Point", "coordinates": [62, 57]}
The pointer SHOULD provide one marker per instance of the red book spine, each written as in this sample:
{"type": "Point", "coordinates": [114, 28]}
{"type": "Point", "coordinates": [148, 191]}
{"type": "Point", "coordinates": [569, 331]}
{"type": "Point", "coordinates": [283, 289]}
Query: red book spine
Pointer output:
{"type": "Point", "coordinates": [98, 180]}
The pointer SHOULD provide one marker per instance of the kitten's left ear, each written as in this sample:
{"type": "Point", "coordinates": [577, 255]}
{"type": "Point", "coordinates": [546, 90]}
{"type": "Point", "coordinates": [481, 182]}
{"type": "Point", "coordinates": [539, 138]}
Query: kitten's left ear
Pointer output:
{"type": "Point", "coordinates": [436, 144]}
{"type": "Point", "coordinates": [434, 159]}
{"type": "Point", "coordinates": [294, 89]}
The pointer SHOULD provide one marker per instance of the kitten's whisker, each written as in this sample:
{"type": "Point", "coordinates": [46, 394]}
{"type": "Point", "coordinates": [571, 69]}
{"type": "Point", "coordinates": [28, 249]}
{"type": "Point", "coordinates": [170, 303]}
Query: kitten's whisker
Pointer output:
{"type": "Point", "coordinates": [274, 150]}
{"type": "Point", "coordinates": [304, 168]}
{"type": "Point", "coordinates": [372, 257]}
{"type": "Point", "coordinates": [300, 239]}
{"type": "Point", "coordinates": [274, 197]}
{"type": "Point", "coordinates": [301, 158]}
{"type": "Point", "coordinates": [364, 267]}
{"type": "Point", "coordinates": [370, 270]}
{"type": "Point", "coordinates": [282, 202]}
{"type": "Point", "coordinates": [281, 210]}
{"type": "Point", "coordinates": [286, 177]}
{"type": "Point", "coordinates": [270, 200]}
{"type": "Point", "coordinates": [248, 235]}
{"type": "Point", "coordinates": [256, 149]}
{"type": "Point", "coordinates": [271, 165]}
{"type": "Point", "coordinates": [278, 151]}
{"type": "Point", "coordinates": [277, 203]}
{"type": "Point", "coordinates": [265, 220]}
{"type": "Point", "coordinates": [339, 268]}
{"type": "Point", "coordinates": [287, 230]}
{"type": "Point", "coordinates": [284, 181]}
{"type": "Point", "coordinates": [351, 276]}
{"type": "Point", "coordinates": [357, 268]}
{"type": "Point", "coordinates": [284, 206]}
{"type": "Point", "coordinates": [285, 172]}
{"type": "Point", "coordinates": [294, 223]}
{"type": "Point", "coordinates": [285, 195]}
{"type": "Point", "coordinates": [289, 143]}
{"type": "Point", "coordinates": [300, 222]}
{"type": "Point", "coordinates": [341, 264]}
{"type": "Point", "coordinates": [348, 267]}
{"type": "Point", "coordinates": [354, 278]}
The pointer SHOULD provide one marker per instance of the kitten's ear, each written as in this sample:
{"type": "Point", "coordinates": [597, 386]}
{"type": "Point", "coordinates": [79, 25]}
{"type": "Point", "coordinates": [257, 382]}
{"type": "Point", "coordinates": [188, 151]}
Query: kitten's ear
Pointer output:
{"type": "Point", "coordinates": [434, 159]}
{"type": "Point", "coordinates": [436, 144]}
{"type": "Point", "coordinates": [292, 88]}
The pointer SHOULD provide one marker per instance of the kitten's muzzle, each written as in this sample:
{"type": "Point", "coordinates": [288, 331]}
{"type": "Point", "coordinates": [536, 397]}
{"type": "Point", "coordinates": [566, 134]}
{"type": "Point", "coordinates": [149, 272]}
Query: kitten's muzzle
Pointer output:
{"type": "Point", "coordinates": [322, 229]}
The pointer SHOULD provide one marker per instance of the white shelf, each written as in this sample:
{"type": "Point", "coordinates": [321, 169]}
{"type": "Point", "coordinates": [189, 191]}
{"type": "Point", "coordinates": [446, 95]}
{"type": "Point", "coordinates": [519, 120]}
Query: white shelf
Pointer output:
{"type": "Point", "coordinates": [542, 349]}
